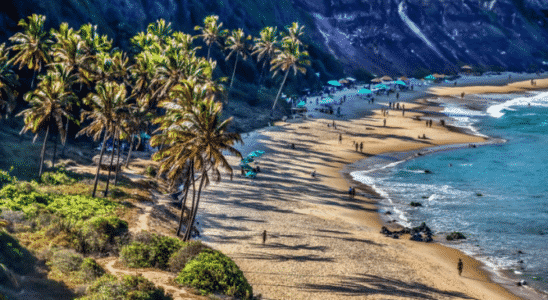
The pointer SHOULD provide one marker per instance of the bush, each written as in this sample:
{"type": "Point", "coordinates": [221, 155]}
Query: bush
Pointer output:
{"type": "Point", "coordinates": [179, 259]}
{"type": "Point", "coordinates": [128, 287]}
{"type": "Point", "coordinates": [150, 250]}
{"type": "Point", "coordinates": [90, 270]}
{"type": "Point", "coordinates": [455, 235]}
{"type": "Point", "coordinates": [66, 261]}
{"type": "Point", "coordinates": [98, 234]}
{"type": "Point", "coordinates": [14, 256]}
{"type": "Point", "coordinates": [211, 271]}
{"type": "Point", "coordinates": [150, 171]}
{"type": "Point", "coordinates": [5, 178]}
{"type": "Point", "coordinates": [58, 177]}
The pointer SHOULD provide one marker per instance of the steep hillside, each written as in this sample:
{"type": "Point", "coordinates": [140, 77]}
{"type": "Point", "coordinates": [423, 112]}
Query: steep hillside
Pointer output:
{"type": "Point", "coordinates": [393, 36]}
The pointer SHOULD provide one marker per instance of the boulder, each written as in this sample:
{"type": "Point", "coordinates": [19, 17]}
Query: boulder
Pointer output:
{"type": "Point", "coordinates": [415, 204]}
{"type": "Point", "coordinates": [455, 235]}
{"type": "Point", "coordinates": [105, 162]}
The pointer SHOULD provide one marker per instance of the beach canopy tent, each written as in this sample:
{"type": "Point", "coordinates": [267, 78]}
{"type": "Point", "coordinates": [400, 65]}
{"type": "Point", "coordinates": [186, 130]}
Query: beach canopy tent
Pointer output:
{"type": "Point", "coordinates": [350, 78]}
{"type": "Point", "coordinates": [364, 91]}
{"type": "Point", "coordinates": [326, 101]}
{"type": "Point", "coordinates": [343, 81]}
{"type": "Point", "coordinates": [400, 82]}
{"type": "Point", "coordinates": [381, 86]}
{"type": "Point", "coordinates": [430, 77]}
{"type": "Point", "coordinates": [439, 76]}
{"type": "Point", "coordinates": [376, 80]}
{"type": "Point", "coordinates": [386, 78]}
{"type": "Point", "coordinates": [467, 67]}
{"type": "Point", "coordinates": [301, 104]}
{"type": "Point", "coordinates": [403, 78]}
{"type": "Point", "coordinates": [334, 83]}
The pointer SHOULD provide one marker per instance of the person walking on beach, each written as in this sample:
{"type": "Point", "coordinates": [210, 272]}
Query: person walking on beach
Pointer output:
{"type": "Point", "coordinates": [384, 123]}
{"type": "Point", "coordinates": [357, 147]}
{"type": "Point", "coordinates": [340, 138]}
{"type": "Point", "coordinates": [264, 237]}
{"type": "Point", "coordinates": [361, 147]}
{"type": "Point", "coordinates": [460, 265]}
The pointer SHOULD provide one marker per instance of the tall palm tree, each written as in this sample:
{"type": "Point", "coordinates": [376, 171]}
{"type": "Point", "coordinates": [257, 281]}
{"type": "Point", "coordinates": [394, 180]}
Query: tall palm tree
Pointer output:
{"type": "Point", "coordinates": [290, 57]}
{"type": "Point", "coordinates": [211, 33]}
{"type": "Point", "coordinates": [237, 44]}
{"type": "Point", "coordinates": [49, 106]}
{"type": "Point", "coordinates": [107, 97]}
{"type": "Point", "coordinates": [265, 46]}
{"type": "Point", "coordinates": [198, 140]}
{"type": "Point", "coordinates": [32, 45]}
{"type": "Point", "coordinates": [8, 82]}
{"type": "Point", "coordinates": [295, 32]}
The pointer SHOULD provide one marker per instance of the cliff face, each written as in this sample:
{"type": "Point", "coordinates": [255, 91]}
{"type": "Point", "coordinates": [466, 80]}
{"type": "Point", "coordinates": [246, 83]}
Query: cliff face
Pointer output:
{"type": "Point", "coordinates": [399, 36]}
{"type": "Point", "coordinates": [381, 36]}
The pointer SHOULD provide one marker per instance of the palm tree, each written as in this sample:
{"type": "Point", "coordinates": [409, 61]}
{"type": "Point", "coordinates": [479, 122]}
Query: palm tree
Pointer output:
{"type": "Point", "coordinates": [31, 45]}
{"type": "Point", "coordinates": [295, 32]}
{"type": "Point", "coordinates": [104, 101]}
{"type": "Point", "coordinates": [291, 57]}
{"type": "Point", "coordinates": [237, 44]}
{"type": "Point", "coordinates": [196, 141]}
{"type": "Point", "coordinates": [49, 104]}
{"type": "Point", "coordinates": [265, 46]}
{"type": "Point", "coordinates": [8, 82]}
{"type": "Point", "coordinates": [211, 32]}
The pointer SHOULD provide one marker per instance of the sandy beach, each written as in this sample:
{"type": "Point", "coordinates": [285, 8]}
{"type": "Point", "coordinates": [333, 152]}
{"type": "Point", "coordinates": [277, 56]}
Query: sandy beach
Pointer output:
{"type": "Point", "coordinates": [321, 244]}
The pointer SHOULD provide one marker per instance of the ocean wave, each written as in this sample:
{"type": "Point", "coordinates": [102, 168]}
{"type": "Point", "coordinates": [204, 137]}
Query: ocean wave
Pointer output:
{"type": "Point", "coordinates": [463, 117]}
{"type": "Point", "coordinates": [497, 110]}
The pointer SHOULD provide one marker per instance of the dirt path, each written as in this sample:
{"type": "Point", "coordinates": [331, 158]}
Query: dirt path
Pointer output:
{"type": "Point", "coordinates": [159, 278]}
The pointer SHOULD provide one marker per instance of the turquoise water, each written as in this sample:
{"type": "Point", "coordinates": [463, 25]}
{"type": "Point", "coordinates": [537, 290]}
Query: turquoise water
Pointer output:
{"type": "Point", "coordinates": [497, 195]}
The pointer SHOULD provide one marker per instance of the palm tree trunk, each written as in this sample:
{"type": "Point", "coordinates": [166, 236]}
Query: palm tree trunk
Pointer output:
{"type": "Point", "coordinates": [65, 141]}
{"type": "Point", "coordinates": [280, 90]}
{"type": "Point", "coordinates": [130, 149]}
{"type": "Point", "coordinates": [183, 204]}
{"type": "Point", "coordinates": [111, 161]}
{"type": "Point", "coordinates": [43, 152]}
{"type": "Point", "coordinates": [54, 151]}
{"type": "Point", "coordinates": [99, 165]}
{"type": "Point", "coordinates": [208, 51]}
{"type": "Point", "coordinates": [193, 213]}
{"type": "Point", "coordinates": [117, 160]}
{"type": "Point", "coordinates": [193, 202]}
{"type": "Point", "coordinates": [233, 73]}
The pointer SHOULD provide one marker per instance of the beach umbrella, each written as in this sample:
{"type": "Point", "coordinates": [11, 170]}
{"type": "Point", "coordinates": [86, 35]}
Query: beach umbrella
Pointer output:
{"type": "Point", "coordinates": [430, 77]}
{"type": "Point", "coordinates": [467, 67]}
{"type": "Point", "coordinates": [351, 79]}
{"type": "Point", "coordinates": [364, 91]}
{"type": "Point", "coordinates": [334, 83]}
{"type": "Point", "coordinates": [343, 81]}
{"type": "Point", "coordinates": [381, 86]}
{"type": "Point", "coordinates": [436, 75]}
{"type": "Point", "coordinates": [258, 153]}
{"type": "Point", "coordinates": [301, 104]}
{"type": "Point", "coordinates": [403, 78]}
{"type": "Point", "coordinates": [386, 78]}
{"type": "Point", "coordinates": [376, 80]}
{"type": "Point", "coordinates": [400, 82]}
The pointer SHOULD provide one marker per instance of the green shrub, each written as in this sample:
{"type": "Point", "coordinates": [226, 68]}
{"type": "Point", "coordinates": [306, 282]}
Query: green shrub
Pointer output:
{"type": "Point", "coordinates": [128, 287]}
{"type": "Point", "coordinates": [150, 171]}
{"type": "Point", "coordinates": [211, 271]}
{"type": "Point", "coordinates": [58, 177]}
{"type": "Point", "coordinates": [66, 261]}
{"type": "Point", "coordinates": [150, 250]}
{"type": "Point", "coordinates": [5, 178]}
{"type": "Point", "coordinates": [179, 259]}
{"type": "Point", "coordinates": [98, 234]}
{"type": "Point", "coordinates": [14, 256]}
{"type": "Point", "coordinates": [90, 270]}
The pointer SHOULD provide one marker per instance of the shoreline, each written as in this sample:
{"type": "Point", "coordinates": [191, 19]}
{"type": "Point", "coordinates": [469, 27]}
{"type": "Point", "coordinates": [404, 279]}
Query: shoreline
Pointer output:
{"type": "Point", "coordinates": [321, 241]}
{"type": "Point", "coordinates": [502, 277]}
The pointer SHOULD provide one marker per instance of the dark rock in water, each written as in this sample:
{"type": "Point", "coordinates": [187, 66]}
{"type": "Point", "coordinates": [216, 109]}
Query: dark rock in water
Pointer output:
{"type": "Point", "coordinates": [455, 235]}
{"type": "Point", "coordinates": [521, 283]}
{"type": "Point", "coordinates": [388, 213]}
{"type": "Point", "coordinates": [428, 238]}
{"type": "Point", "coordinates": [395, 236]}
{"type": "Point", "coordinates": [427, 172]}
{"type": "Point", "coordinates": [417, 237]}
{"type": "Point", "coordinates": [415, 204]}
{"type": "Point", "coordinates": [520, 261]}
{"type": "Point", "coordinates": [520, 252]}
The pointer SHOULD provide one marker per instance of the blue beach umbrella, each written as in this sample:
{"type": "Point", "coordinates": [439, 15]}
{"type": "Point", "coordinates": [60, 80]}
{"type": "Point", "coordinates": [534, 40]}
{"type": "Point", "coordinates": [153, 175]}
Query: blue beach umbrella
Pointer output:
{"type": "Point", "coordinates": [381, 86]}
{"type": "Point", "coordinates": [364, 91]}
{"type": "Point", "coordinates": [334, 83]}
{"type": "Point", "coordinates": [401, 83]}
{"type": "Point", "coordinates": [301, 104]}
{"type": "Point", "coordinates": [430, 77]}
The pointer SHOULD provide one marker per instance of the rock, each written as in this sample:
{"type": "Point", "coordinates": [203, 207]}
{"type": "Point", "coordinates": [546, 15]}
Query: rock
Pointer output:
{"type": "Point", "coordinates": [388, 213]}
{"type": "Point", "coordinates": [417, 237]}
{"type": "Point", "coordinates": [520, 252]}
{"type": "Point", "coordinates": [415, 204]}
{"type": "Point", "coordinates": [455, 235]}
{"type": "Point", "coordinates": [427, 172]}
{"type": "Point", "coordinates": [521, 283]}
